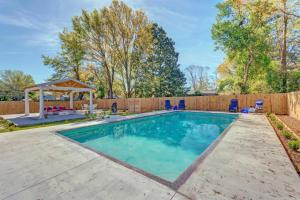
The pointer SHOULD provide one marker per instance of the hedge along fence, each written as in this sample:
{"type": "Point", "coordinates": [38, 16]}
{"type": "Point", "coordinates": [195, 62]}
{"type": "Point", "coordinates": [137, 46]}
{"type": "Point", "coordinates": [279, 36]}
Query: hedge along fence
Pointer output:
{"type": "Point", "coordinates": [276, 103]}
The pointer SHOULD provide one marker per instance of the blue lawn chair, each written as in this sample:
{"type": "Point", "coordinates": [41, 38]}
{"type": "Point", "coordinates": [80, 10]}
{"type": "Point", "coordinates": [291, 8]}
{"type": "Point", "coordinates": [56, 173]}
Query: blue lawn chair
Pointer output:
{"type": "Point", "coordinates": [168, 105]}
{"type": "Point", "coordinates": [245, 110]}
{"type": "Point", "coordinates": [181, 105]}
{"type": "Point", "coordinates": [233, 106]}
{"type": "Point", "coordinates": [259, 104]}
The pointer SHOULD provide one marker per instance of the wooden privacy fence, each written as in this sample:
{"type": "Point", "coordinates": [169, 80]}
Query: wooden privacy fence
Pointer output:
{"type": "Point", "coordinates": [293, 101]}
{"type": "Point", "coordinates": [17, 107]}
{"type": "Point", "coordinates": [276, 103]}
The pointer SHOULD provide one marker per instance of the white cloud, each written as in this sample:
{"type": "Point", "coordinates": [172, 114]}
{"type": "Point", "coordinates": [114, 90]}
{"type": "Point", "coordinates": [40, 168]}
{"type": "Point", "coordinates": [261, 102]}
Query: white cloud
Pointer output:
{"type": "Point", "coordinates": [47, 35]}
{"type": "Point", "coordinates": [42, 32]}
{"type": "Point", "coordinates": [41, 29]}
{"type": "Point", "coordinates": [45, 29]}
{"type": "Point", "coordinates": [18, 19]}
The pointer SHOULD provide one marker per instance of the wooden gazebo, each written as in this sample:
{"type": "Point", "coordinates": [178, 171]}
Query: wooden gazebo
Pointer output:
{"type": "Point", "coordinates": [70, 85]}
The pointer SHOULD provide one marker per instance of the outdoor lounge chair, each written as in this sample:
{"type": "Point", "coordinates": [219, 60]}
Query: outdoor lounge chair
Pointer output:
{"type": "Point", "coordinates": [259, 104]}
{"type": "Point", "coordinates": [233, 106]}
{"type": "Point", "coordinates": [50, 110]}
{"type": "Point", "coordinates": [57, 109]}
{"type": "Point", "coordinates": [168, 105]}
{"type": "Point", "coordinates": [62, 108]}
{"type": "Point", "coordinates": [181, 105]}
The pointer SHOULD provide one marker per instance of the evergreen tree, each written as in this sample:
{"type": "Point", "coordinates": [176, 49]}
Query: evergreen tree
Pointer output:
{"type": "Point", "coordinates": [161, 75]}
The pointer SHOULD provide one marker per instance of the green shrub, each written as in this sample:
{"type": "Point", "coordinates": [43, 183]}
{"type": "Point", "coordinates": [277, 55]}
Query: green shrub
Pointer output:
{"type": "Point", "coordinates": [86, 114]}
{"type": "Point", "coordinates": [90, 116]}
{"type": "Point", "coordinates": [279, 125]}
{"type": "Point", "coordinates": [6, 124]}
{"type": "Point", "coordinates": [273, 118]}
{"type": "Point", "coordinates": [269, 114]}
{"type": "Point", "coordinates": [93, 116]}
{"type": "Point", "coordinates": [287, 134]}
{"type": "Point", "coordinates": [294, 145]}
{"type": "Point", "coordinates": [101, 115]}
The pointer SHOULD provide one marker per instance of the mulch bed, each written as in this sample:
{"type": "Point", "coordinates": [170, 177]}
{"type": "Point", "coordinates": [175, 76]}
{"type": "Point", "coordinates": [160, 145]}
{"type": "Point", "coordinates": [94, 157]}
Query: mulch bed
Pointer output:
{"type": "Point", "coordinates": [291, 122]}
{"type": "Point", "coordinates": [293, 155]}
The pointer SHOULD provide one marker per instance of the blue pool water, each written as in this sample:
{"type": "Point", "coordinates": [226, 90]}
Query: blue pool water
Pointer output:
{"type": "Point", "coordinates": [163, 145]}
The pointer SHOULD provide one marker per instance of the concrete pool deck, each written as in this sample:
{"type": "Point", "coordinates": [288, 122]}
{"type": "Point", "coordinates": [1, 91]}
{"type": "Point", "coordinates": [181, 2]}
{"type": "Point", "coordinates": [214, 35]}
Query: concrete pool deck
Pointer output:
{"type": "Point", "coordinates": [33, 119]}
{"type": "Point", "coordinates": [248, 163]}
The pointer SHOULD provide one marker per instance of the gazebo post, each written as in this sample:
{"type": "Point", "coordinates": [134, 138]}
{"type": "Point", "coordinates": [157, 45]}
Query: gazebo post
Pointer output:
{"type": "Point", "coordinates": [42, 103]}
{"type": "Point", "coordinates": [71, 100]}
{"type": "Point", "coordinates": [26, 102]}
{"type": "Point", "coordinates": [91, 102]}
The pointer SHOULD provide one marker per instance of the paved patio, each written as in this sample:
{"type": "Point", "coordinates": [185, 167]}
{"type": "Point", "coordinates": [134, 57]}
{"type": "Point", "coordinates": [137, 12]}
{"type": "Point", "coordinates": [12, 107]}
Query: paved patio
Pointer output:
{"type": "Point", "coordinates": [33, 119]}
{"type": "Point", "coordinates": [248, 163]}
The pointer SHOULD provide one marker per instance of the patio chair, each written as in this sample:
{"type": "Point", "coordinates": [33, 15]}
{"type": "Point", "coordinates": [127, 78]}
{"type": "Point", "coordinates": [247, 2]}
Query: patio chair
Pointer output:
{"type": "Point", "coordinates": [114, 108]}
{"type": "Point", "coordinates": [63, 110]}
{"type": "Point", "coordinates": [181, 105]}
{"type": "Point", "coordinates": [50, 110]}
{"type": "Point", "coordinates": [259, 104]}
{"type": "Point", "coordinates": [233, 106]}
{"type": "Point", "coordinates": [245, 110]}
{"type": "Point", "coordinates": [55, 110]}
{"type": "Point", "coordinates": [168, 105]}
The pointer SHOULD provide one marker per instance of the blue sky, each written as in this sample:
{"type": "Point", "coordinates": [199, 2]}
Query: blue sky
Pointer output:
{"type": "Point", "coordinates": [30, 28]}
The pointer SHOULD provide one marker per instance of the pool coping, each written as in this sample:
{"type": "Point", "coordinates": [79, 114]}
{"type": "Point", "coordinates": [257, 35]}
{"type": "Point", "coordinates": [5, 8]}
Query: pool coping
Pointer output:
{"type": "Point", "coordinates": [182, 178]}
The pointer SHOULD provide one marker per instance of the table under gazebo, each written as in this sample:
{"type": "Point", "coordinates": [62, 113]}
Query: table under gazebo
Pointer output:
{"type": "Point", "coordinates": [67, 85]}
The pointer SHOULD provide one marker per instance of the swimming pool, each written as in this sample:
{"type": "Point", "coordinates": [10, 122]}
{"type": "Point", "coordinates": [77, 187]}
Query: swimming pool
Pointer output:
{"type": "Point", "coordinates": [163, 145]}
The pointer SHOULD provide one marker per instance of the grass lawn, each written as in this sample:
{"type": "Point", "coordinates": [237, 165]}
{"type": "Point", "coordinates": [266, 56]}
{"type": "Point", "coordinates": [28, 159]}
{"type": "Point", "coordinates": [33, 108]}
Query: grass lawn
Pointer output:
{"type": "Point", "coordinates": [6, 126]}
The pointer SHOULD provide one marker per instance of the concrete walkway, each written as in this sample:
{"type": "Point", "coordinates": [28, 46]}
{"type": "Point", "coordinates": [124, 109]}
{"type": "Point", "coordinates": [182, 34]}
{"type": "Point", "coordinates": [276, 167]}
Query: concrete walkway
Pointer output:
{"type": "Point", "coordinates": [248, 163]}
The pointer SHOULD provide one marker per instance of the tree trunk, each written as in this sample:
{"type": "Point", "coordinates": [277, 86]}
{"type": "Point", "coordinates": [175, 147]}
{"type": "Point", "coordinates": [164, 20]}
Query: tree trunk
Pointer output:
{"type": "Point", "coordinates": [284, 50]}
{"type": "Point", "coordinates": [77, 73]}
{"type": "Point", "coordinates": [110, 90]}
{"type": "Point", "coordinates": [244, 87]}
{"type": "Point", "coordinates": [127, 78]}
{"type": "Point", "coordinates": [109, 81]}
{"type": "Point", "coordinates": [77, 77]}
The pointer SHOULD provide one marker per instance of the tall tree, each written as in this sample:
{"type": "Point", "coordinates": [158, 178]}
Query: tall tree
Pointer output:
{"type": "Point", "coordinates": [240, 31]}
{"type": "Point", "coordinates": [116, 39]}
{"type": "Point", "coordinates": [286, 37]}
{"type": "Point", "coordinates": [97, 45]}
{"type": "Point", "coordinates": [119, 49]}
{"type": "Point", "coordinates": [162, 75]}
{"type": "Point", "coordinates": [69, 62]}
{"type": "Point", "coordinates": [12, 84]}
{"type": "Point", "coordinates": [275, 27]}
{"type": "Point", "coordinates": [131, 41]}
